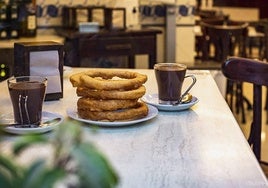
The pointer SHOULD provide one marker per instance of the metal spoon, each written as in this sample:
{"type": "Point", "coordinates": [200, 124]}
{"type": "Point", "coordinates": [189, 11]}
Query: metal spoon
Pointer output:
{"type": "Point", "coordinates": [43, 124]}
{"type": "Point", "coordinates": [185, 99]}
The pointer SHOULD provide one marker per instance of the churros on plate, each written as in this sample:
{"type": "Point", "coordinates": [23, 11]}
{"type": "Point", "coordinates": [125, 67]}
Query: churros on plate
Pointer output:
{"type": "Point", "coordinates": [110, 95]}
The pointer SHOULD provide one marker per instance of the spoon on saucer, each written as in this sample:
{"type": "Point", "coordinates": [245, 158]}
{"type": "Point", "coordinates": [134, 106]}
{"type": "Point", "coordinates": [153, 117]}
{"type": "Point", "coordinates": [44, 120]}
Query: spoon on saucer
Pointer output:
{"type": "Point", "coordinates": [43, 124]}
{"type": "Point", "coordinates": [184, 99]}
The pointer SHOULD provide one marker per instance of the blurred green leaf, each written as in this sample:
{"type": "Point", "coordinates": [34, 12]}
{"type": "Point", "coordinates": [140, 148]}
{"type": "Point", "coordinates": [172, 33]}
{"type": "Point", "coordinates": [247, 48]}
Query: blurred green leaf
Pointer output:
{"type": "Point", "coordinates": [26, 141]}
{"type": "Point", "coordinates": [72, 157]}
{"type": "Point", "coordinates": [10, 172]}
{"type": "Point", "coordinates": [95, 170]}
{"type": "Point", "coordinates": [70, 132]}
{"type": "Point", "coordinates": [4, 181]}
{"type": "Point", "coordinates": [38, 175]}
{"type": "Point", "coordinates": [33, 174]}
{"type": "Point", "coordinates": [8, 167]}
{"type": "Point", "coordinates": [52, 176]}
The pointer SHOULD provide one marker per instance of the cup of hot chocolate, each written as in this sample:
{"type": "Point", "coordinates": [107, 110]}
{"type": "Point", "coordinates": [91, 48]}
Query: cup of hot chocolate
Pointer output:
{"type": "Point", "coordinates": [27, 94]}
{"type": "Point", "coordinates": [170, 78]}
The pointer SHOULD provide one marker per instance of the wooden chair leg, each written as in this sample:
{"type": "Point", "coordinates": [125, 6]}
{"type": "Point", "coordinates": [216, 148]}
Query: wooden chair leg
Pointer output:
{"type": "Point", "coordinates": [257, 119]}
{"type": "Point", "coordinates": [249, 105]}
{"type": "Point", "coordinates": [251, 135]}
{"type": "Point", "coordinates": [234, 91]}
{"type": "Point", "coordinates": [266, 105]}
{"type": "Point", "coordinates": [240, 101]}
{"type": "Point", "coordinates": [229, 94]}
{"type": "Point", "coordinates": [238, 98]}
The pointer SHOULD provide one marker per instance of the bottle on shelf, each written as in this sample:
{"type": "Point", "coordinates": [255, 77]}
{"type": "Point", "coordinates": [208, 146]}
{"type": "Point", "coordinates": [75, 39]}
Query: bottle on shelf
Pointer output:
{"type": "Point", "coordinates": [27, 18]}
{"type": "Point", "coordinates": [3, 11]}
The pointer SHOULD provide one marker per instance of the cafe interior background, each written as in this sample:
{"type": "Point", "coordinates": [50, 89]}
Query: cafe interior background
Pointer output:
{"type": "Point", "coordinates": [176, 19]}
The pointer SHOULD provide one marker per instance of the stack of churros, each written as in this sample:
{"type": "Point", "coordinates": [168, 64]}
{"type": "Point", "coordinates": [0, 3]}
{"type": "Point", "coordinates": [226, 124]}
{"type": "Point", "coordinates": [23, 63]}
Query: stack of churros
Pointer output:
{"type": "Point", "coordinates": [110, 95]}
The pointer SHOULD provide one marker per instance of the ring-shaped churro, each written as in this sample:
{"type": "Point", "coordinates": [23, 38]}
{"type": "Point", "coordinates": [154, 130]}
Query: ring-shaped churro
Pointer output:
{"type": "Point", "coordinates": [139, 111]}
{"type": "Point", "coordinates": [90, 104]}
{"type": "Point", "coordinates": [111, 94]}
{"type": "Point", "coordinates": [102, 79]}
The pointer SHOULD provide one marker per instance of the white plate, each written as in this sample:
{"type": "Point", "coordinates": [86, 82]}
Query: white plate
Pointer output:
{"type": "Point", "coordinates": [45, 117]}
{"type": "Point", "coordinates": [72, 112]}
{"type": "Point", "coordinates": [153, 100]}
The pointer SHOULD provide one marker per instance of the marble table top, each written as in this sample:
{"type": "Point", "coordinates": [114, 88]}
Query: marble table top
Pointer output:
{"type": "Point", "coordinates": [199, 147]}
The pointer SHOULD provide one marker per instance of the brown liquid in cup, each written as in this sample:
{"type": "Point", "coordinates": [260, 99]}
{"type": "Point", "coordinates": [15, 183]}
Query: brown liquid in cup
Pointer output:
{"type": "Point", "coordinates": [170, 80]}
{"type": "Point", "coordinates": [35, 92]}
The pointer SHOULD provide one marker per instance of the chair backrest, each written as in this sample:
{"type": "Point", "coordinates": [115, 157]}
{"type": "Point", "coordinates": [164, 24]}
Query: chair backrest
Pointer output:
{"type": "Point", "coordinates": [262, 26]}
{"type": "Point", "coordinates": [225, 36]}
{"type": "Point", "coordinates": [254, 72]}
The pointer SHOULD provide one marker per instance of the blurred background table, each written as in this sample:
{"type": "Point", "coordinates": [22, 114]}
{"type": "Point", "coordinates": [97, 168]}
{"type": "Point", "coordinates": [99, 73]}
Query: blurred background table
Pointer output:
{"type": "Point", "coordinates": [109, 44]}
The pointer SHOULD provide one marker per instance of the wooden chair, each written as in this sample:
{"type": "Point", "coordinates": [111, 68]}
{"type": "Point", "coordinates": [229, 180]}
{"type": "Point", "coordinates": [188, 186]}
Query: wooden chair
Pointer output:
{"type": "Point", "coordinates": [201, 38]}
{"type": "Point", "coordinates": [227, 38]}
{"type": "Point", "coordinates": [262, 26]}
{"type": "Point", "coordinates": [254, 72]}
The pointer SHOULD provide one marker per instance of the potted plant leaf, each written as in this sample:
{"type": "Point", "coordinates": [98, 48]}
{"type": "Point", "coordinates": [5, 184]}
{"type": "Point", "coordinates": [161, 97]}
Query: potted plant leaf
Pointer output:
{"type": "Point", "coordinates": [75, 163]}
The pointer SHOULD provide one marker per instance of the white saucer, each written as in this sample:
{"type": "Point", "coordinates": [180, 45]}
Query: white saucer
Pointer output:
{"type": "Point", "coordinates": [72, 112]}
{"type": "Point", "coordinates": [8, 118]}
{"type": "Point", "coordinates": [153, 100]}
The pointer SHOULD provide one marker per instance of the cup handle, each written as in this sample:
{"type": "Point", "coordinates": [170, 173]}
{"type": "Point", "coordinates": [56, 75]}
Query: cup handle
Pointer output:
{"type": "Point", "coordinates": [190, 87]}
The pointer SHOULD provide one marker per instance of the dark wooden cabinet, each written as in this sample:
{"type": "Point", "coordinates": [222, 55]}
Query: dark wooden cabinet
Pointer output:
{"type": "Point", "coordinates": [109, 43]}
